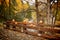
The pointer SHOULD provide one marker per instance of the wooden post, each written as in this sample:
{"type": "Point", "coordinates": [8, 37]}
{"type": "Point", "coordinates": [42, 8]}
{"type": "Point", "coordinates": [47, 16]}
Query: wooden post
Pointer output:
{"type": "Point", "coordinates": [56, 13]}
{"type": "Point", "coordinates": [37, 11]}
{"type": "Point", "coordinates": [49, 19]}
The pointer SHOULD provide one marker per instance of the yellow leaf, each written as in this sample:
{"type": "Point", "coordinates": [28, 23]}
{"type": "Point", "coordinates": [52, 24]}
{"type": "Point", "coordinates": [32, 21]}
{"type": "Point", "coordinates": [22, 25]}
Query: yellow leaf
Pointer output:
{"type": "Point", "coordinates": [7, 2]}
{"type": "Point", "coordinates": [0, 2]}
{"type": "Point", "coordinates": [25, 6]}
{"type": "Point", "coordinates": [19, 5]}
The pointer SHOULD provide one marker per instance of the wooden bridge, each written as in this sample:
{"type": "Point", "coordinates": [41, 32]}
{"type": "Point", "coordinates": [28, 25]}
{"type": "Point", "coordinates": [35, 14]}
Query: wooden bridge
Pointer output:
{"type": "Point", "coordinates": [40, 30]}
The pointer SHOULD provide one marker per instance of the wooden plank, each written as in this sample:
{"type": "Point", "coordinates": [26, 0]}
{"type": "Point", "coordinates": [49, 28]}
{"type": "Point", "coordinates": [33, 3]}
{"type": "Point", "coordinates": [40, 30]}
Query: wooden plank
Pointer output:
{"type": "Point", "coordinates": [48, 29]}
{"type": "Point", "coordinates": [43, 29]}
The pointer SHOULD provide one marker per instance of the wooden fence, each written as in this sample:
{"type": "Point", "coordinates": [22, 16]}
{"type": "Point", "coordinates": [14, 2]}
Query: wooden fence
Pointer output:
{"type": "Point", "coordinates": [40, 30]}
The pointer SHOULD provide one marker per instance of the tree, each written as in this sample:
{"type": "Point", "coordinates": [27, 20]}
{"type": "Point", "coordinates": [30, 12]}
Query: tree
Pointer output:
{"type": "Point", "coordinates": [10, 8]}
{"type": "Point", "coordinates": [3, 9]}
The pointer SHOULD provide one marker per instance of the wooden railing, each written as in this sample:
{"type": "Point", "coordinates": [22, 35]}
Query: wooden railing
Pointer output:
{"type": "Point", "coordinates": [40, 30]}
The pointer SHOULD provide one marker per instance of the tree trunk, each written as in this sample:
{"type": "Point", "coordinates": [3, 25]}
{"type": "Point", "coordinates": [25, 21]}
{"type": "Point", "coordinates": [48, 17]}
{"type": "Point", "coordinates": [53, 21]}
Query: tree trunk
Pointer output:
{"type": "Point", "coordinates": [37, 11]}
{"type": "Point", "coordinates": [49, 15]}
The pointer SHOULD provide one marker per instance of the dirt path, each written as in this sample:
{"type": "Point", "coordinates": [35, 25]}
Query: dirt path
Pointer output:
{"type": "Point", "coordinates": [14, 35]}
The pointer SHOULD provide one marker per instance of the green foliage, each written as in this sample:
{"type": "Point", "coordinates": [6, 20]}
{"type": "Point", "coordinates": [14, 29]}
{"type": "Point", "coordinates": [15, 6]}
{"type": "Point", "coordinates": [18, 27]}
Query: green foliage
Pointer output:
{"type": "Point", "coordinates": [28, 14]}
{"type": "Point", "coordinates": [2, 11]}
{"type": "Point", "coordinates": [19, 16]}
